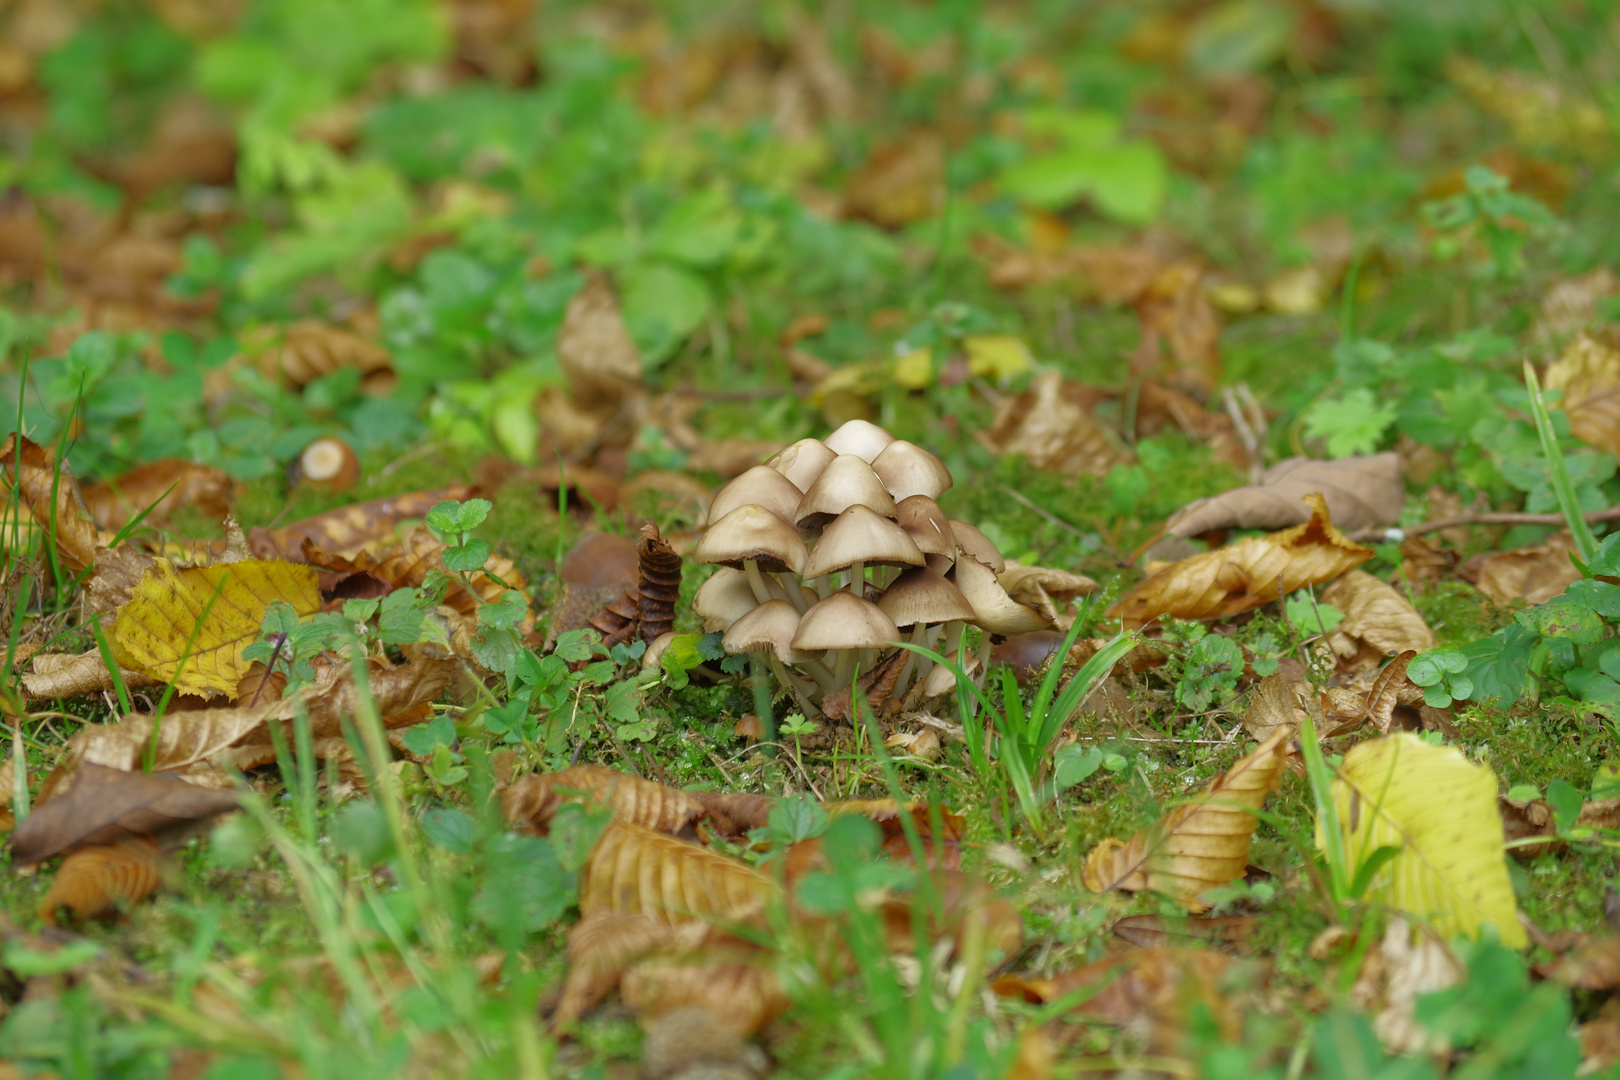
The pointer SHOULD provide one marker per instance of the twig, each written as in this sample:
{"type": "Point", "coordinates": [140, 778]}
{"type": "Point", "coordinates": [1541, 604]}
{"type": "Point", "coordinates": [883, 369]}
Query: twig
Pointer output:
{"type": "Point", "coordinates": [1489, 518]}
{"type": "Point", "coordinates": [1020, 497]}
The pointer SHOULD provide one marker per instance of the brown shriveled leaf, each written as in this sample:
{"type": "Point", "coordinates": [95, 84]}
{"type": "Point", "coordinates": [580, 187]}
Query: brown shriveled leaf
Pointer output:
{"type": "Point", "coordinates": [407, 566]}
{"type": "Point", "coordinates": [1156, 988]}
{"type": "Point", "coordinates": [1246, 574]}
{"type": "Point", "coordinates": [901, 181]}
{"type": "Point", "coordinates": [1391, 689]}
{"type": "Point", "coordinates": [531, 802]}
{"type": "Point", "coordinates": [966, 905]}
{"type": "Point", "coordinates": [163, 486]}
{"type": "Point", "coordinates": [1153, 931]}
{"type": "Point", "coordinates": [1532, 574]}
{"type": "Point", "coordinates": [1279, 702]}
{"type": "Point", "coordinates": [602, 945]}
{"type": "Point", "coordinates": [634, 870]}
{"type": "Point", "coordinates": [301, 352]}
{"type": "Point", "coordinates": [348, 530]}
{"type": "Point", "coordinates": [56, 675]}
{"type": "Point", "coordinates": [943, 844]}
{"type": "Point", "coordinates": [118, 571]}
{"type": "Point", "coordinates": [51, 494]}
{"type": "Point", "coordinates": [734, 813]}
{"type": "Point", "coordinates": [1588, 373]}
{"type": "Point", "coordinates": [1378, 622]}
{"type": "Point", "coordinates": [1048, 591]}
{"type": "Point", "coordinates": [660, 583]}
{"type": "Point", "coordinates": [594, 349]}
{"type": "Point", "coordinates": [1178, 319]}
{"type": "Point", "coordinates": [1527, 819]}
{"type": "Point", "coordinates": [737, 985]}
{"type": "Point", "coordinates": [97, 882]}
{"type": "Point", "coordinates": [191, 626]}
{"type": "Point", "coordinates": [1051, 431]}
{"type": "Point", "coordinates": [1199, 845]}
{"type": "Point", "coordinates": [1361, 493]}
{"type": "Point", "coordinates": [1571, 304]}
{"type": "Point", "coordinates": [1592, 964]}
{"type": "Point", "coordinates": [104, 805]}
{"type": "Point", "coordinates": [875, 686]}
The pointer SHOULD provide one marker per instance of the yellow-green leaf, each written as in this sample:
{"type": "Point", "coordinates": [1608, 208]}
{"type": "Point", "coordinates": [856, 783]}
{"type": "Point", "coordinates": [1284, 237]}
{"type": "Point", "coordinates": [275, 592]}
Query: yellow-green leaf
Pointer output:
{"type": "Point", "coordinates": [1439, 809]}
{"type": "Point", "coordinates": [164, 621]}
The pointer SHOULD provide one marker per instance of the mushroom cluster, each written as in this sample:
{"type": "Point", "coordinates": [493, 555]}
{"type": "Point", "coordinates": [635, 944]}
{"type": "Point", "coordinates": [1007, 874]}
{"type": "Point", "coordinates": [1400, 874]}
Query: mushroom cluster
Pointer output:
{"type": "Point", "coordinates": [833, 552]}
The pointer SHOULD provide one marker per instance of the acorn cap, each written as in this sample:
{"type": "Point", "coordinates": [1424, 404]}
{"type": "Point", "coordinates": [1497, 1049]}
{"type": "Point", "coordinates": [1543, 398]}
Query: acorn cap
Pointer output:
{"type": "Point", "coordinates": [861, 535]}
{"type": "Point", "coordinates": [771, 626]}
{"type": "Point", "coordinates": [993, 609]}
{"type": "Point", "coordinates": [907, 469]}
{"type": "Point", "coordinates": [328, 465]}
{"type": "Point", "coordinates": [844, 621]}
{"type": "Point", "coordinates": [762, 486]}
{"type": "Point", "coordinates": [859, 437]}
{"type": "Point", "coordinates": [753, 532]}
{"type": "Point", "coordinates": [927, 524]}
{"type": "Point", "coordinates": [848, 481]}
{"type": "Point", "coordinates": [724, 598]}
{"type": "Point", "coordinates": [970, 541]}
{"type": "Point", "coordinates": [921, 596]}
{"type": "Point", "coordinates": [802, 462]}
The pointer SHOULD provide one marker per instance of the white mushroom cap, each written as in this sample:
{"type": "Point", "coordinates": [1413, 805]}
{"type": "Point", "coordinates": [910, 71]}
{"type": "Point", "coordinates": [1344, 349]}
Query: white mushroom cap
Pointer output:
{"type": "Point", "coordinates": [970, 541]}
{"type": "Point", "coordinates": [848, 481]}
{"type": "Point", "coordinates": [802, 462]}
{"type": "Point", "coordinates": [771, 626]}
{"type": "Point", "coordinates": [844, 621]}
{"type": "Point", "coordinates": [753, 533]}
{"type": "Point", "coordinates": [761, 486]}
{"type": "Point", "coordinates": [861, 535]}
{"type": "Point", "coordinates": [723, 599]}
{"type": "Point", "coordinates": [941, 679]}
{"type": "Point", "coordinates": [907, 469]}
{"type": "Point", "coordinates": [927, 524]}
{"type": "Point", "coordinates": [859, 437]}
{"type": "Point", "coordinates": [993, 609]}
{"type": "Point", "coordinates": [921, 596]}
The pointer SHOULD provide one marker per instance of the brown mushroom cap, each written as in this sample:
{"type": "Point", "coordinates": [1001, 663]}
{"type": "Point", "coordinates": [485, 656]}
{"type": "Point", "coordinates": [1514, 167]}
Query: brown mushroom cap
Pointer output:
{"type": "Point", "coordinates": [753, 533]}
{"type": "Point", "coordinates": [844, 621]}
{"type": "Point", "coordinates": [859, 437]}
{"type": "Point", "coordinates": [762, 486]}
{"type": "Point", "coordinates": [921, 596]}
{"type": "Point", "coordinates": [802, 462]}
{"type": "Point", "coordinates": [993, 609]}
{"type": "Point", "coordinates": [970, 541]}
{"type": "Point", "coordinates": [927, 524]}
{"type": "Point", "coordinates": [771, 626]}
{"type": "Point", "coordinates": [724, 598]}
{"type": "Point", "coordinates": [861, 535]}
{"type": "Point", "coordinates": [848, 481]}
{"type": "Point", "coordinates": [907, 469]}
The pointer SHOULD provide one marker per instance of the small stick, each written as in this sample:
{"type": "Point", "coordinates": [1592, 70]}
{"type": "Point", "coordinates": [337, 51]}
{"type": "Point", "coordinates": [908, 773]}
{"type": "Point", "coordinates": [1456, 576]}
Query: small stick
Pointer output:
{"type": "Point", "coordinates": [1489, 518]}
{"type": "Point", "coordinates": [1020, 497]}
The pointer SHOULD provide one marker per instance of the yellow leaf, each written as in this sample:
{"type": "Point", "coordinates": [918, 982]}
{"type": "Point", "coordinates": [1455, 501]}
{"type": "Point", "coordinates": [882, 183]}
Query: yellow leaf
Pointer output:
{"type": "Point", "coordinates": [914, 370]}
{"type": "Point", "coordinates": [1200, 844]}
{"type": "Point", "coordinates": [997, 356]}
{"type": "Point", "coordinates": [165, 621]}
{"type": "Point", "coordinates": [1439, 809]}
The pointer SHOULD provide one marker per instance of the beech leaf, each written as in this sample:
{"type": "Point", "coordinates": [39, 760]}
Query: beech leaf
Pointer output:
{"type": "Point", "coordinates": [104, 805]}
{"type": "Point", "coordinates": [1361, 493]}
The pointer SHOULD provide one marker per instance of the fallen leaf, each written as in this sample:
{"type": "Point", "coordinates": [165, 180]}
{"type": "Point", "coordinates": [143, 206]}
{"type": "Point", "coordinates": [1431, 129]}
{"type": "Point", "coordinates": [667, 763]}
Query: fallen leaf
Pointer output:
{"type": "Point", "coordinates": [1245, 575]}
{"type": "Point", "coordinates": [1279, 702]}
{"type": "Point", "coordinates": [101, 880]}
{"type": "Point", "coordinates": [1415, 962]}
{"type": "Point", "coordinates": [901, 181]}
{"type": "Point", "coordinates": [1571, 304]}
{"type": "Point", "coordinates": [52, 496]}
{"type": "Point", "coordinates": [1361, 493]}
{"type": "Point", "coordinates": [301, 352]}
{"type": "Point", "coordinates": [56, 676]}
{"type": "Point", "coordinates": [1593, 964]}
{"type": "Point", "coordinates": [1154, 931]}
{"type": "Point", "coordinates": [634, 870]}
{"type": "Point", "coordinates": [1532, 574]}
{"type": "Point", "coordinates": [1050, 431]}
{"type": "Point", "coordinates": [1439, 809]}
{"type": "Point", "coordinates": [1588, 374]}
{"type": "Point", "coordinates": [159, 488]}
{"type": "Point", "coordinates": [733, 983]}
{"type": "Point", "coordinates": [1525, 819]}
{"type": "Point", "coordinates": [348, 530]}
{"type": "Point", "coordinates": [734, 813]}
{"type": "Point", "coordinates": [594, 348]}
{"type": "Point", "coordinates": [104, 805]}
{"type": "Point", "coordinates": [1046, 590]}
{"type": "Point", "coordinates": [1175, 314]}
{"type": "Point", "coordinates": [603, 945]}
{"type": "Point", "coordinates": [191, 626]}
{"type": "Point", "coordinates": [531, 802]}
{"type": "Point", "coordinates": [1539, 111]}
{"type": "Point", "coordinates": [1199, 845]}
{"type": "Point", "coordinates": [1378, 622]}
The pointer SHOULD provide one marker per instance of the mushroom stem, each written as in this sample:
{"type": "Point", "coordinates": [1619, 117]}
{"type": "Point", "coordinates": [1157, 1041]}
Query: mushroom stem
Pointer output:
{"type": "Point", "coordinates": [756, 580]}
{"type": "Point", "coordinates": [844, 672]}
{"type": "Point", "coordinates": [802, 689]}
{"type": "Point", "coordinates": [822, 674]}
{"type": "Point", "coordinates": [857, 580]}
{"type": "Point", "coordinates": [919, 635]}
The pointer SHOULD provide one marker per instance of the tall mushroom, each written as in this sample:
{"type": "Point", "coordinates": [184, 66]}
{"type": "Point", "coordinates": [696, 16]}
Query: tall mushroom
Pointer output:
{"type": "Point", "coordinates": [844, 624]}
{"type": "Point", "coordinates": [753, 539]}
{"type": "Point", "coordinates": [847, 481]}
{"type": "Point", "coordinates": [859, 537]}
{"type": "Point", "coordinates": [769, 629]}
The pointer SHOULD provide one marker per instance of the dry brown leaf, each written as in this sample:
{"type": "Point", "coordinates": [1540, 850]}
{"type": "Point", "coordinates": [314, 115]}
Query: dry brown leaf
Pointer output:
{"type": "Point", "coordinates": [1527, 819]}
{"type": "Point", "coordinates": [52, 496]}
{"type": "Point", "coordinates": [348, 530]}
{"type": "Point", "coordinates": [102, 805]}
{"type": "Point", "coordinates": [1050, 431]}
{"type": "Point", "coordinates": [602, 945]}
{"type": "Point", "coordinates": [531, 802]}
{"type": "Point", "coordinates": [901, 181]}
{"type": "Point", "coordinates": [309, 349]}
{"type": "Point", "coordinates": [1592, 964]}
{"type": "Point", "coordinates": [1177, 317]}
{"type": "Point", "coordinates": [1571, 304]}
{"type": "Point", "coordinates": [1378, 622]}
{"type": "Point", "coordinates": [191, 626]}
{"type": "Point", "coordinates": [1279, 702]}
{"type": "Point", "coordinates": [1246, 574]}
{"type": "Point", "coordinates": [1361, 493]}
{"type": "Point", "coordinates": [1588, 374]}
{"type": "Point", "coordinates": [1199, 845]}
{"type": "Point", "coordinates": [1533, 574]}
{"type": "Point", "coordinates": [594, 349]}
{"type": "Point", "coordinates": [634, 870]}
{"type": "Point", "coordinates": [161, 487]}
{"type": "Point", "coordinates": [1538, 110]}
{"type": "Point", "coordinates": [1153, 931]}
{"type": "Point", "coordinates": [737, 985]}
{"type": "Point", "coordinates": [118, 571]}
{"type": "Point", "coordinates": [1046, 590]}
{"type": "Point", "coordinates": [734, 813]}
{"type": "Point", "coordinates": [689, 1042]}
{"type": "Point", "coordinates": [55, 675]}
{"type": "Point", "coordinates": [97, 882]}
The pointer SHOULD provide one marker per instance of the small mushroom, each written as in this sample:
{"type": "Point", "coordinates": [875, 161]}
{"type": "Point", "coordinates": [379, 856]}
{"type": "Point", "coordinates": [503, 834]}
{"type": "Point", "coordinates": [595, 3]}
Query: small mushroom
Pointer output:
{"type": "Point", "coordinates": [770, 629]}
{"type": "Point", "coordinates": [802, 462]}
{"type": "Point", "coordinates": [857, 537]}
{"type": "Point", "coordinates": [971, 541]}
{"type": "Point", "coordinates": [844, 624]}
{"type": "Point", "coordinates": [328, 465]}
{"type": "Point", "coordinates": [761, 486]}
{"type": "Point", "coordinates": [907, 469]}
{"type": "Point", "coordinates": [917, 598]}
{"type": "Point", "coordinates": [862, 438]}
{"type": "Point", "coordinates": [753, 539]}
{"type": "Point", "coordinates": [993, 610]}
{"type": "Point", "coordinates": [848, 481]}
{"type": "Point", "coordinates": [927, 524]}
{"type": "Point", "coordinates": [724, 598]}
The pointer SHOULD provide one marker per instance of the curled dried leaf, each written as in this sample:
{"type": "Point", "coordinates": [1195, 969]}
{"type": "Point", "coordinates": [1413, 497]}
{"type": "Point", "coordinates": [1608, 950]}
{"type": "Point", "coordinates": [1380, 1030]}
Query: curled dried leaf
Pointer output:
{"type": "Point", "coordinates": [51, 494]}
{"type": "Point", "coordinates": [102, 805]}
{"type": "Point", "coordinates": [1361, 493]}
{"type": "Point", "coordinates": [634, 870]}
{"type": "Point", "coordinates": [98, 882]}
{"type": "Point", "coordinates": [531, 802]}
{"type": "Point", "coordinates": [1378, 622]}
{"type": "Point", "coordinates": [1051, 431]}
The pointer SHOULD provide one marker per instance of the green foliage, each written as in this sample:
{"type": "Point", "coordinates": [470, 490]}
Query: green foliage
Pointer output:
{"type": "Point", "coordinates": [1488, 207]}
{"type": "Point", "coordinates": [1080, 154]}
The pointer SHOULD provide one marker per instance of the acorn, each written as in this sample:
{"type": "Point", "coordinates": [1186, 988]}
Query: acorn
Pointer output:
{"type": "Point", "coordinates": [328, 465]}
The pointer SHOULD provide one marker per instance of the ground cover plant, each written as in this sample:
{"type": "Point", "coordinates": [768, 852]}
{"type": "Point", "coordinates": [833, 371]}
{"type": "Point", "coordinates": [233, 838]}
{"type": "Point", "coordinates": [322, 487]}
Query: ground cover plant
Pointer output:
{"type": "Point", "coordinates": [939, 539]}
